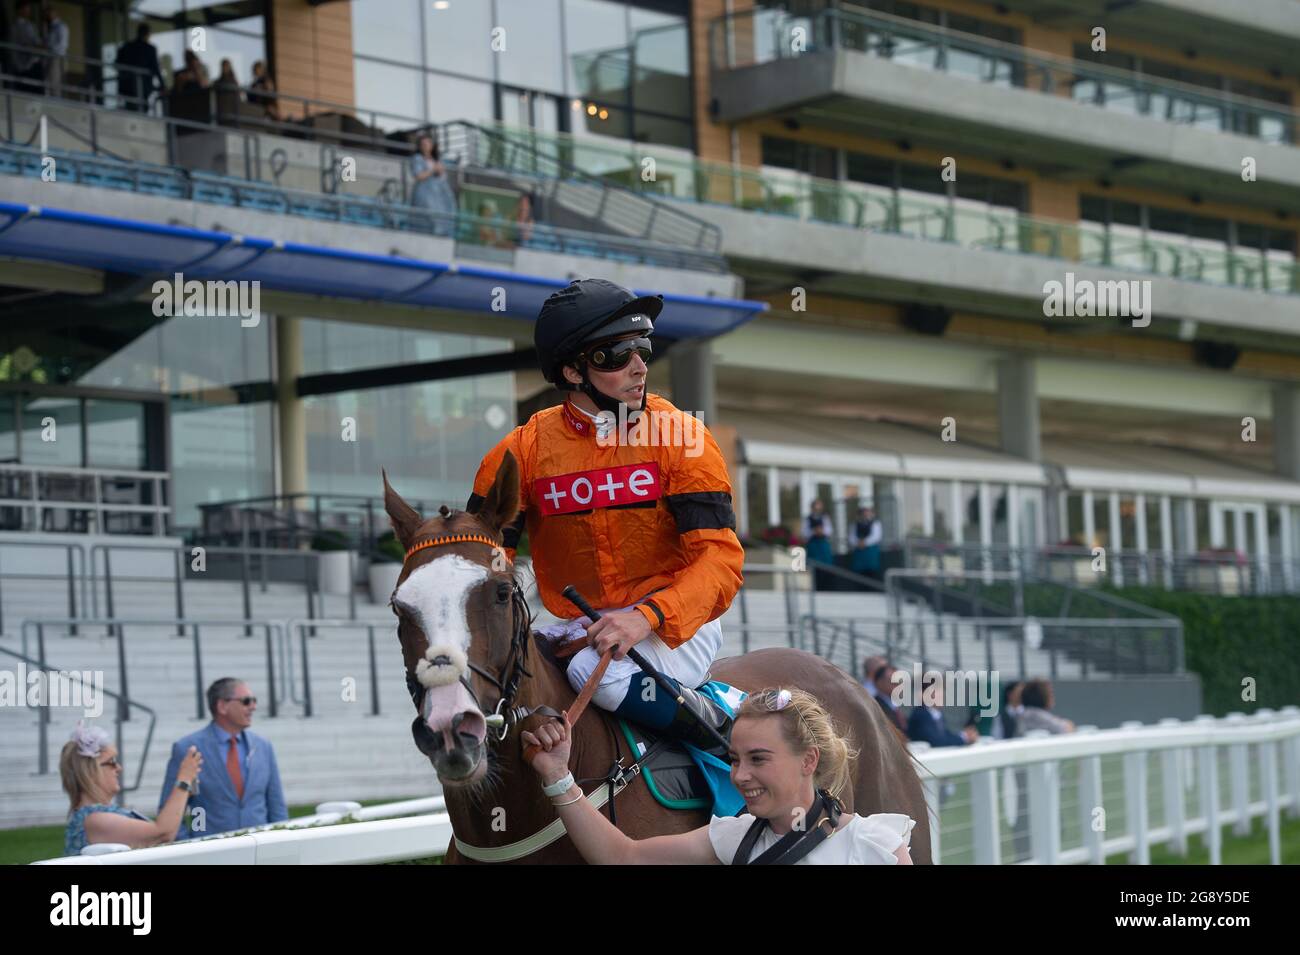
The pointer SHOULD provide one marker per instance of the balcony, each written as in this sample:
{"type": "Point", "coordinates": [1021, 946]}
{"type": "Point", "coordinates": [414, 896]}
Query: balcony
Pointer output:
{"type": "Point", "coordinates": [887, 76]}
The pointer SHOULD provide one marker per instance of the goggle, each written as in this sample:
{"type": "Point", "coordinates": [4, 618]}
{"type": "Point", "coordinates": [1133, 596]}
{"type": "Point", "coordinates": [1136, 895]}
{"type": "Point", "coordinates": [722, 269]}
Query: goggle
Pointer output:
{"type": "Point", "coordinates": [612, 356]}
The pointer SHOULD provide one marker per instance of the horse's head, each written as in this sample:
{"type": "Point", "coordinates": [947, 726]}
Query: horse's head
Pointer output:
{"type": "Point", "coordinates": [462, 623]}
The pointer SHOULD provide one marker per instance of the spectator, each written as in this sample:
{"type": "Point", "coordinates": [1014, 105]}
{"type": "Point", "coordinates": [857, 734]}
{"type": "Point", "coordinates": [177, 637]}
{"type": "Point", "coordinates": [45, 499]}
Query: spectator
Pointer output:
{"type": "Point", "coordinates": [869, 667]}
{"type": "Point", "coordinates": [140, 75]}
{"type": "Point", "coordinates": [524, 219]}
{"type": "Point", "coordinates": [56, 44]}
{"type": "Point", "coordinates": [491, 228]}
{"type": "Point", "coordinates": [27, 60]}
{"type": "Point", "coordinates": [883, 679]}
{"type": "Point", "coordinates": [867, 534]}
{"type": "Point", "coordinates": [1038, 700]}
{"type": "Point", "coordinates": [817, 529]}
{"type": "Point", "coordinates": [1005, 727]}
{"type": "Point", "coordinates": [926, 725]}
{"type": "Point", "coordinates": [431, 189]}
{"type": "Point", "coordinates": [92, 777]}
{"type": "Point", "coordinates": [193, 77]}
{"type": "Point", "coordinates": [262, 91]}
{"type": "Point", "coordinates": [227, 81]}
{"type": "Point", "coordinates": [243, 786]}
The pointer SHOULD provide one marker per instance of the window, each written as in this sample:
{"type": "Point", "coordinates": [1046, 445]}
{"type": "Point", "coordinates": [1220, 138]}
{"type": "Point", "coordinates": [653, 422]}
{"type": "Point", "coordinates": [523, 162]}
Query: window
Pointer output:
{"type": "Point", "coordinates": [390, 29]}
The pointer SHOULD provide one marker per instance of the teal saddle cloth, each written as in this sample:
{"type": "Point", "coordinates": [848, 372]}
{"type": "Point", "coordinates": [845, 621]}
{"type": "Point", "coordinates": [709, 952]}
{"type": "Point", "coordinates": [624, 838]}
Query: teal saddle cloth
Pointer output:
{"type": "Point", "coordinates": [680, 776]}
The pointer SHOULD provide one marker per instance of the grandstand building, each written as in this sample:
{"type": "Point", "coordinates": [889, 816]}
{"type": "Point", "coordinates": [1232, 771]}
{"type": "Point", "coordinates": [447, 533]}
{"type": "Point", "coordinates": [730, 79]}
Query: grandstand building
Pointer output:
{"type": "Point", "coordinates": [854, 210]}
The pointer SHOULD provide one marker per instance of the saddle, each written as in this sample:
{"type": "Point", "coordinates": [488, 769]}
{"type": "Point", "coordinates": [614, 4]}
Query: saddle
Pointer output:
{"type": "Point", "coordinates": [678, 775]}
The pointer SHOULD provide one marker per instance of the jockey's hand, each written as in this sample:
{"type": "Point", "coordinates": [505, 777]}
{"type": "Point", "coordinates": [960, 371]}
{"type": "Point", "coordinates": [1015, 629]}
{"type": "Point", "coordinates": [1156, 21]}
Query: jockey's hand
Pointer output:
{"type": "Point", "coordinates": [552, 761]}
{"type": "Point", "coordinates": [626, 628]}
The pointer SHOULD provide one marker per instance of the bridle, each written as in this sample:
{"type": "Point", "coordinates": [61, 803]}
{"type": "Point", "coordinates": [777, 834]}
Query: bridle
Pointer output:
{"type": "Point", "coordinates": [506, 715]}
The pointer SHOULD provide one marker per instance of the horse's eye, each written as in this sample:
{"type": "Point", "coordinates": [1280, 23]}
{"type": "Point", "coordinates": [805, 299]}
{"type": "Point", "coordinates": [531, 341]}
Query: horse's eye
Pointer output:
{"type": "Point", "coordinates": [503, 592]}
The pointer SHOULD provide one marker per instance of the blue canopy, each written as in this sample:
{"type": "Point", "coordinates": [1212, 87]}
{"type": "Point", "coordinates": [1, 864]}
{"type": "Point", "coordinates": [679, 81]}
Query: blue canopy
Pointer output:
{"type": "Point", "coordinates": [152, 249]}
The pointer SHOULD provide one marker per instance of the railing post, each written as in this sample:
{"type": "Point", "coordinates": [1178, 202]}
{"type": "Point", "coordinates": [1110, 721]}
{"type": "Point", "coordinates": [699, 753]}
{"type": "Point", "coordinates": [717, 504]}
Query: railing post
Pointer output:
{"type": "Point", "coordinates": [198, 674]}
{"type": "Point", "coordinates": [931, 786]}
{"type": "Point", "coordinates": [1135, 800]}
{"type": "Point", "coordinates": [374, 672]}
{"type": "Point", "coordinates": [270, 670]}
{"type": "Point", "coordinates": [1173, 775]}
{"type": "Point", "coordinates": [1045, 811]}
{"type": "Point", "coordinates": [306, 673]}
{"type": "Point", "coordinates": [1090, 801]}
{"type": "Point", "coordinates": [72, 591]}
{"type": "Point", "coordinates": [984, 817]}
{"type": "Point", "coordinates": [1268, 781]}
{"type": "Point", "coordinates": [1291, 765]}
{"type": "Point", "coordinates": [1239, 778]}
{"type": "Point", "coordinates": [179, 554]}
{"type": "Point", "coordinates": [1209, 801]}
{"type": "Point", "coordinates": [43, 721]}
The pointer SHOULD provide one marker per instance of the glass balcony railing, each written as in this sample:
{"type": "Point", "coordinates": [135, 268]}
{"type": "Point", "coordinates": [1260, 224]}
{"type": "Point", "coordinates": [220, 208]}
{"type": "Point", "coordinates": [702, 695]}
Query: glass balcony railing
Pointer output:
{"type": "Point", "coordinates": [762, 36]}
{"type": "Point", "coordinates": [962, 223]}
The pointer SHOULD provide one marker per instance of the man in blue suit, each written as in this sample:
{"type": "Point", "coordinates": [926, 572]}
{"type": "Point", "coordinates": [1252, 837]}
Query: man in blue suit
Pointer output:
{"type": "Point", "coordinates": [241, 787]}
{"type": "Point", "coordinates": [926, 725]}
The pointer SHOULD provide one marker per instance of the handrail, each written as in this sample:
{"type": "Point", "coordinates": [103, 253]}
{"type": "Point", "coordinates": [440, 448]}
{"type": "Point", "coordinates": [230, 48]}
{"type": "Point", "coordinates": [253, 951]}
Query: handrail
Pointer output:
{"type": "Point", "coordinates": [121, 710]}
{"type": "Point", "coordinates": [115, 628]}
{"type": "Point", "coordinates": [303, 626]}
{"type": "Point", "coordinates": [839, 27]}
{"type": "Point", "coordinates": [69, 547]}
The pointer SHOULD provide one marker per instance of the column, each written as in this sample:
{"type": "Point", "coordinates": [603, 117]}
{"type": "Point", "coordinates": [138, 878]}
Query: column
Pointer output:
{"type": "Point", "coordinates": [1018, 422]}
{"type": "Point", "coordinates": [1286, 431]}
{"type": "Point", "coordinates": [691, 378]}
{"type": "Point", "coordinates": [289, 407]}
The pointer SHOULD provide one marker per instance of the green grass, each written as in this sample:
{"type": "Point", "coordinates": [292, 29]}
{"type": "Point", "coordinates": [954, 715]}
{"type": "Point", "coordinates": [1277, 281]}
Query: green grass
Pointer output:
{"type": "Point", "coordinates": [1237, 850]}
{"type": "Point", "coordinates": [21, 846]}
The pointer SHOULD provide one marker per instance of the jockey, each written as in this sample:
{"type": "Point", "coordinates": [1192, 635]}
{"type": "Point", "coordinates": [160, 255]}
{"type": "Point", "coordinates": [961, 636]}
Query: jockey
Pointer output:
{"type": "Point", "coordinates": [636, 514]}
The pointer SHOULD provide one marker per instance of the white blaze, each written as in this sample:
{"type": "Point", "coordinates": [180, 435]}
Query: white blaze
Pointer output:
{"type": "Point", "coordinates": [438, 593]}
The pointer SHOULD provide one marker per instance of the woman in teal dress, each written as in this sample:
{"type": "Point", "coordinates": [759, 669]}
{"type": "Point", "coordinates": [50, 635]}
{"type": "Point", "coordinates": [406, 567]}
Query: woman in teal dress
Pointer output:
{"type": "Point", "coordinates": [92, 777]}
{"type": "Point", "coordinates": [818, 529]}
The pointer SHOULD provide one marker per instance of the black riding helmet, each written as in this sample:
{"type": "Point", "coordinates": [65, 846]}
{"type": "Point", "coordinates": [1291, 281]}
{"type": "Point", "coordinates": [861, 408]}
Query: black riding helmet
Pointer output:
{"type": "Point", "coordinates": [587, 312]}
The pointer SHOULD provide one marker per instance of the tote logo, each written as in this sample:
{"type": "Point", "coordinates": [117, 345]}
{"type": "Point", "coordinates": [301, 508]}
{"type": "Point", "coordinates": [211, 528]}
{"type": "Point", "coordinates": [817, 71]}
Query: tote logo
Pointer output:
{"type": "Point", "coordinates": [208, 299]}
{"type": "Point", "coordinates": [603, 487]}
{"type": "Point", "coordinates": [103, 908]}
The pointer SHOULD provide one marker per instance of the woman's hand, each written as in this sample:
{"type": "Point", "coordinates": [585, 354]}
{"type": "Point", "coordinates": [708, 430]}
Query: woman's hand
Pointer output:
{"type": "Point", "coordinates": [552, 737]}
{"type": "Point", "coordinates": [191, 766]}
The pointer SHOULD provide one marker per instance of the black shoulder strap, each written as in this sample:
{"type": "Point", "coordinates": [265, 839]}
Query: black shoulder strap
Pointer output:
{"type": "Point", "coordinates": [796, 843]}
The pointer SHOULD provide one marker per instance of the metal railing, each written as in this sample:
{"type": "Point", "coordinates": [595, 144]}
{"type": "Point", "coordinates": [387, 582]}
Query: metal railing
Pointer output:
{"type": "Point", "coordinates": [1228, 573]}
{"type": "Point", "coordinates": [310, 560]}
{"type": "Point", "coordinates": [121, 714]}
{"type": "Point", "coordinates": [1037, 799]}
{"type": "Point", "coordinates": [98, 81]}
{"type": "Point", "coordinates": [76, 571]}
{"type": "Point", "coordinates": [277, 518]}
{"type": "Point", "coordinates": [115, 628]}
{"type": "Point", "coordinates": [41, 492]}
{"type": "Point", "coordinates": [306, 629]}
{"type": "Point", "coordinates": [753, 37]}
{"type": "Point", "coordinates": [1076, 648]}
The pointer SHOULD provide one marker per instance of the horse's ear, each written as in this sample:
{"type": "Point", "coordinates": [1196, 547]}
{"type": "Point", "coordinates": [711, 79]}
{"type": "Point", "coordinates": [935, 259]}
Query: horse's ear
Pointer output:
{"type": "Point", "coordinates": [501, 503]}
{"type": "Point", "coordinates": [406, 521]}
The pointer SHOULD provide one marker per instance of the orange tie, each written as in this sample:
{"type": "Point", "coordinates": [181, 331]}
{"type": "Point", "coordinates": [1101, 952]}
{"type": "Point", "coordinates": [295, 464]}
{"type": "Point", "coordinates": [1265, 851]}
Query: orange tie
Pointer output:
{"type": "Point", "coordinates": [232, 767]}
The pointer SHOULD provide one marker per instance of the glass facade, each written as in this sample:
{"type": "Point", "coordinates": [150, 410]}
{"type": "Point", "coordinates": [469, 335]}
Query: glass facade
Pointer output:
{"type": "Point", "coordinates": [214, 29]}
{"type": "Point", "coordinates": [594, 67]}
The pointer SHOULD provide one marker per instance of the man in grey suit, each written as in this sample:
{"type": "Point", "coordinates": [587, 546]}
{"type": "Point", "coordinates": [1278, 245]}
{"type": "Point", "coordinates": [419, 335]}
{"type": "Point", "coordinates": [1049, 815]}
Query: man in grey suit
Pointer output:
{"type": "Point", "coordinates": [242, 787]}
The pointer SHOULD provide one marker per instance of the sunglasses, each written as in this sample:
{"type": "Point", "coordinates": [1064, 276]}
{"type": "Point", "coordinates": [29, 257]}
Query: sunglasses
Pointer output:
{"type": "Point", "coordinates": [114, 763]}
{"type": "Point", "coordinates": [246, 700]}
{"type": "Point", "coordinates": [615, 355]}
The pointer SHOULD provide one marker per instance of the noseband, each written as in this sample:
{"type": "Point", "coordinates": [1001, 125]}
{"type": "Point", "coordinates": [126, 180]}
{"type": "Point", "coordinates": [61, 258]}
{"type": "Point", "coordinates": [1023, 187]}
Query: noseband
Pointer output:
{"type": "Point", "coordinates": [506, 714]}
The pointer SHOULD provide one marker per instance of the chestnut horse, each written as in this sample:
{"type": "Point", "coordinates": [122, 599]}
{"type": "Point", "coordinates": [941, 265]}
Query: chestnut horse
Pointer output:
{"type": "Point", "coordinates": [466, 635]}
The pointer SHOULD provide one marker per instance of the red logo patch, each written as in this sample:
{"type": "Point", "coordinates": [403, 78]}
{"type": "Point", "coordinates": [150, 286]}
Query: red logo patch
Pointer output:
{"type": "Point", "coordinates": [603, 487]}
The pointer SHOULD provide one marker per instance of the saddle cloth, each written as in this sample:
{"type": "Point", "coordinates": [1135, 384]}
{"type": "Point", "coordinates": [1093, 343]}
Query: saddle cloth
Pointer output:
{"type": "Point", "coordinates": [680, 776]}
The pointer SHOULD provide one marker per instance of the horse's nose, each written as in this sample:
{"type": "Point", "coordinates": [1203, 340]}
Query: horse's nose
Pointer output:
{"type": "Point", "coordinates": [468, 729]}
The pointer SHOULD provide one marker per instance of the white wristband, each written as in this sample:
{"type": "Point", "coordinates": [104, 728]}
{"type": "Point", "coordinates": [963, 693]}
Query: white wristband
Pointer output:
{"type": "Point", "coordinates": [559, 787]}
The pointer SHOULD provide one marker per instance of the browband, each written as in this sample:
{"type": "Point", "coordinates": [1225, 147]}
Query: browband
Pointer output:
{"type": "Point", "coordinates": [453, 539]}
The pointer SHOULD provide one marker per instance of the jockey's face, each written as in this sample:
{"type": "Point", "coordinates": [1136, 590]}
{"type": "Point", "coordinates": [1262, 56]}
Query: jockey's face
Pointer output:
{"type": "Point", "coordinates": [627, 384]}
{"type": "Point", "coordinates": [773, 778]}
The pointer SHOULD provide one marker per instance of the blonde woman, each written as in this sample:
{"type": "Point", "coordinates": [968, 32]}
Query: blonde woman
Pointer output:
{"type": "Point", "coordinates": [787, 761]}
{"type": "Point", "coordinates": [92, 776]}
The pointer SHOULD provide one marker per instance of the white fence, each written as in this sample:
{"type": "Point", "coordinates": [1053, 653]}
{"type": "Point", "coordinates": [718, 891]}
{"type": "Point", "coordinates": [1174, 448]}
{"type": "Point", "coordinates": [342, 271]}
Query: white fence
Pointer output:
{"type": "Point", "coordinates": [1042, 799]}
{"type": "Point", "coordinates": [1095, 793]}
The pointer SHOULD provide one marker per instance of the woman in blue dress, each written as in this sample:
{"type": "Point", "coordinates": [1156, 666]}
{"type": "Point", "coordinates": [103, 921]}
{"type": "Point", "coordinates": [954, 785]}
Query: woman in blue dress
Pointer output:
{"type": "Point", "coordinates": [431, 190]}
{"type": "Point", "coordinates": [92, 776]}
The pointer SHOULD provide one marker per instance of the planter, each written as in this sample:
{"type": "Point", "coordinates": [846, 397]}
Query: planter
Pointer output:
{"type": "Point", "coordinates": [334, 572]}
{"type": "Point", "coordinates": [383, 581]}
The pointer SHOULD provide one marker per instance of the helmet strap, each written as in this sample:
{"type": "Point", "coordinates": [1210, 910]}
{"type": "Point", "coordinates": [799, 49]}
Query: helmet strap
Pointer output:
{"type": "Point", "coordinates": [603, 401]}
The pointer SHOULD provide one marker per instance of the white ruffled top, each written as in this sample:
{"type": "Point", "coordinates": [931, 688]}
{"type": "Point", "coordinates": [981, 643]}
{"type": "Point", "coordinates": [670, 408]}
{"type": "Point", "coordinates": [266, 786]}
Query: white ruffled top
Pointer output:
{"type": "Point", "coordinates": [864, 840]}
